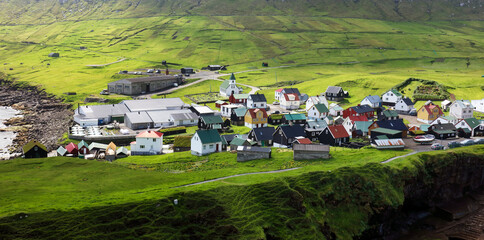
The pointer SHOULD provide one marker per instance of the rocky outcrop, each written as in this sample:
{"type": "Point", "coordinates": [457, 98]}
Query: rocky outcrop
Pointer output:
{"type": "Point", "coordinates": [45, 117]}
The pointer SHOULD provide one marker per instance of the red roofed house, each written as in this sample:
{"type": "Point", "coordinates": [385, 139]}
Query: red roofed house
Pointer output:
{"type": "Point", "coordinates": [147, 143]}
{"type": "Point", "coordinates": [349, 122]}
{"type": "Point", "coordinates": [277, 93]}
{"type": "Point", "coordinates": [359, 110]}
{"type": "Point", "coordinates": [429, 112]}
{"type": "Point", "coordinates": [72, 149]}
{"type": "Point", "coordinates": [290, 101]}
{"type": "Point", "coordinates": [334, 135]}
{"type": "Point", "coordinates": [238, 98]}
{"type": "Point", "coordinates": [256, 118]}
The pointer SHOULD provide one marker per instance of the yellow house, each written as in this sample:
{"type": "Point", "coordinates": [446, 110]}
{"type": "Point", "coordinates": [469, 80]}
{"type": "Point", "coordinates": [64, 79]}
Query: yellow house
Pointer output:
{"type": "Point", "coordinates": [255, 118]}
{"type": "Point", "coordinates": [429, 112]}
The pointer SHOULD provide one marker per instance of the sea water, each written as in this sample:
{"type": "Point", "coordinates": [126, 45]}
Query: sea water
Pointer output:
{"type": "Point", "coordinates": [6, 137]}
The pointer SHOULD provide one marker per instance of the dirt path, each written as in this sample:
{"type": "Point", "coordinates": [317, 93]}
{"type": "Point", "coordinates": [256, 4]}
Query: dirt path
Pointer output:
{"type": "Point", "coordinates": [406, 155]}
{"type": "Point", "coordinates": [106, 64]}
{"type": "Point", "coordinates": [236, 175]}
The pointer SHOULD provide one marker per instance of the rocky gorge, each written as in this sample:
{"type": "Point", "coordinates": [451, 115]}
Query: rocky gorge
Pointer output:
{"type": "Point", "coordinates": [44, 116]}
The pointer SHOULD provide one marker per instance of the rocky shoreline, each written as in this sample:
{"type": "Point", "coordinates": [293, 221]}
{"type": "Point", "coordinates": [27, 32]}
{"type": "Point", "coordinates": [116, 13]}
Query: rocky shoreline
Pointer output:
{"type": "Point", "coordinates": [45, 117]}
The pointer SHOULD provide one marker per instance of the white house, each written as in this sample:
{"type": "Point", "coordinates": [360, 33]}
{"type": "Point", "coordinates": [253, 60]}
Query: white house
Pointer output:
{"type": "Point", "coordinates": [277, 94]}
{"type": "Point", "coordinates": [315, 100]}
{"type": "Point", "coordinates": [391, 97]}
{"type": "Point", "coordinates": [373, 101]}
{"type": "Point", "coordinates": [228, 87]}
{"type": "Point", "coordinates": [461, 109]}
{"type": "Point", "coordinates": [227, 110]}
{"type": "Point", "coordinates": [404, 105]}
{"type": "Point", "coordinates": [444, 120]}
{"type": "Point", "coordinates": [256, 101]}
{"type": "Point", "coordinates": [184, 119]}
{"type": "Point", "coordinates": [318, 111]}
{"type": "Point", "coordinates": [290, 101]}
{"type": "Point", "coordinates": [205, 142]}
{"type": "Point", "coordinates": [470, 123]}
{"type": "Point", "coordinates": [478, 105]}
{"type": "Point", "coordinates": [335, 110]}
{"type": "Point", "coordinates": [147, 143]}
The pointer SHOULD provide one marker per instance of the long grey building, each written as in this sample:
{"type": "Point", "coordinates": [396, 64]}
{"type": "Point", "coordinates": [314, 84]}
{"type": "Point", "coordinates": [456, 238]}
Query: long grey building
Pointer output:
{"type": "Point", "coordinates": [135, 86]}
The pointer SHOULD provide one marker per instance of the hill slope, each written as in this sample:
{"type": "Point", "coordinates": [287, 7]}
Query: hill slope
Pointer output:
{"type": "Point", "coordinates": [47, 11]}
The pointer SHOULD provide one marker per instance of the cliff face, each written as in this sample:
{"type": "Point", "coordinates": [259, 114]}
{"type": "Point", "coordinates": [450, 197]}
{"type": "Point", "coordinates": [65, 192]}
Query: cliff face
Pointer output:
{"type": "Point", "coordinates": [366, 202]}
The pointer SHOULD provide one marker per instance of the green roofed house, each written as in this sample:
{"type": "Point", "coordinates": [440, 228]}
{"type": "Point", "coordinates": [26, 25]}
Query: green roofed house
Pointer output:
{"type": "Point", "coordinates": [34, 149]}
{"type": "Point", "coordinates": [391, 97]}
{"type": "Point", "coordinates": [210, 122]}
{"type": "Point", "coordinates": [237, 141]}
{"type": "Point", "coordinates": [390, 133]}
{"type": "Point", "coordinates": [388, 115]}
{"type": "Point", "coordinates": [469, 124]}
{"type": "Point", "coordinates": [237, 116]}
{"type": "Point", "coordinates": [83, 148]}
{"type": "Point", "coordinates": [294, 118]}
{"type": "Point", "coordinates": [361, 128]}
{"type": "Point", "coordinates": [318, 111]}
{"type": "Point", "coordinates": [229, 87]}
{"type": "Point", "coordinates": [205, 142]}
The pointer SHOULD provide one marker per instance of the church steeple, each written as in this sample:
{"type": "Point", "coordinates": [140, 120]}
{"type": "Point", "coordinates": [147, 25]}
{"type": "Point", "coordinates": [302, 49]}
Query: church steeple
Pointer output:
{"type": "Point", "coordinates": [232, 79]}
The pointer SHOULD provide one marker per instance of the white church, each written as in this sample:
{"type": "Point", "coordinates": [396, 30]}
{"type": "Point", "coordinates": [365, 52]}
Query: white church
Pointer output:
{"type": "Point", "coordinates": [229, 87]}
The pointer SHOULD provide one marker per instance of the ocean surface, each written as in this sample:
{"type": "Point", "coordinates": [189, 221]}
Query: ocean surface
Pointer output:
{"type": "Point", "coordinates": [7, 137]}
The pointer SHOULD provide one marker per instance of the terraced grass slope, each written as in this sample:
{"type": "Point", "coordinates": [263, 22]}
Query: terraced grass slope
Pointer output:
{"type": "Point", "coordinates": [48, 11]}
{"type": "Point", "coordinates": [317, 205]}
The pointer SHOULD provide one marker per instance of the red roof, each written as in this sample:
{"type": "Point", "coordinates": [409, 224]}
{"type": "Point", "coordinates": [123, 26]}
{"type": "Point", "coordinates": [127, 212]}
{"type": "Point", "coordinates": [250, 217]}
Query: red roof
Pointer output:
{"type": "Point", "coordinates": [133, 142]}
{"type": "Point", "coordinates": [150, 134]}
{"type": "Point", "coordinates": [296, 97]}
{"type": "Point", "coordinates": [304, 141]}
{"type": "Point", "coordinates": [361, 118]}
{"type": "Point", "coordinates": [279, 90]}
{"type": "Point", "coordinates": [71, 148]}
{"type": "Point", "coordinates": [430, 107]}
{"type": "Point", "coordinates": [338, 131]}
{"type": "Point", "coordinates": [253, 112]}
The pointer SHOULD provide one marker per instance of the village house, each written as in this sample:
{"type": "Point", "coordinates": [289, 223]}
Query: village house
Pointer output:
{"type": "Point", "coordinates": [338, 120]}
{"type": "Point", "coordinates": [290, 101]}
{"type": "Point", "coordinates": [236, 142]}
{"type": "Point", "coordinates": [255, 118]}
{"type": "Point", "coordinates": [404, 105]}
{"type": "Point", "coordinates": [394, 125]}
{"type": "Point", "coordinates": [220, 103]}
{"type": "Point", "coordinates": [478, 105]}
{"type": "Point", "coordinates": [468, 126]}
{"type": "Point", "coordinates": [391, 97]}
{"type": "Point", "coordinates": [205, 142]}
{"type": "Point", "coordinates": [313, 128]}
{"type": "Point", "coordinates": [349, 123]}
{"type": "Point", "coordinates": [239, 99]}
{"type": "Point", "coordinates": [359, 111]}
{"type": "Point", "coordinates": [257, 101]}
{"type": "Point", "coordinates": [334, 135]}
{"type": "Point", "coordinates": [316, 100]}
{"type": "Point", "coordinates": [285, 135]}
{"type": "Point", "coordinates": [443, 130]}
{"type": "Point", "coordinates": [187, 70]}
{"type": "Point", "coordinates": [228, 110]}
{"type": "Point", "coordinates": [335, 110]}
{"type": "Point", "coordinates": [388, 115]}
{"type": "Point", "coordinates": [71, 150]}
{"type": "Point", "coordinates": [210, 122]}
{"type": "Point", "coordinates": [136, 86]}
{"type": "Point", "coordinates": [82, 148]}
{"type": "Point", "coordinates": [373, 101]}
{"type": "Point", "coordinates": [429, 112]}
{"type": "Point", "coordinates": [34, 149]}
{"type": "Point", "coordinates": [248, 153]}
{"type": "Point", "coordinates": [318, 111]}
{"type": "Point", "coordinates": [275, 119]}
{"type": "Point", "coordinates": [229, 87]}
{"type": "Point", "coordinates": [238, 116]}
{"type": "Point", "coordinates": [461, 109]}
{"type": "Point", "coordinates": [94, 115]}
{"type": "Point", "coordinates": [262, 135]}
{"type": "Point", "coordinates": [279, 93]}
{"type": "Point", "coordinates": [294, 118]}
{"type": "Point", "coordinates": [360, 128]}
{"type": "Point", "coordinates": [147, 143]}
{"type": "Point", "coordinates": [335, 93]}
{"type": "Point", "coordinates": [184, 119]}
{"type": "Point", "coordinates": [203, 110]}
{"type": "Point", "coordinates": [445, 119]}
{"type": "Point", "coordinates": [445, 105]}
{"type": "Point", "coordinates": [310, 151]}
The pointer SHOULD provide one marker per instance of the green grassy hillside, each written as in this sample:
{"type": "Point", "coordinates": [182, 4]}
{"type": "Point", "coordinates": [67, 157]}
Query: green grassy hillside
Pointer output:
{"type": "Point", "coordinates": [320, 204]}
{"type": "Point", "coordinates": [48, 11]}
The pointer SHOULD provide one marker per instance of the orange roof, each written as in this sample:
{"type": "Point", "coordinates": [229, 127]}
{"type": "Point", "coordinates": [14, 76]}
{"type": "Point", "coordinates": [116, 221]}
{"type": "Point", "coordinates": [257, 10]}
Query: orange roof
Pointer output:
{"type": "Point", "coordinates": [296, 97]}
{"type": "Point", "coordinates": [150, 134]}
{"type": "Point", "coordinates": [304, 141]}
{"type": "Point", "coordinates": [430, 108]}
{"type": "Point", "coordinates": [338, 131]}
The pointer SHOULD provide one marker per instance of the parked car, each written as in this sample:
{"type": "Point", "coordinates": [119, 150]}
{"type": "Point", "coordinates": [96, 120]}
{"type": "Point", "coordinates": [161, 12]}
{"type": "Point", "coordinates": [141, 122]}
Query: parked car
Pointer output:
{"type": "Point", "coordinates": [453, 144]}
{"type": "Point", "coordinates": [412, 112]}
{"type": "Point", "coordinates": [467, 142]}
{"type": "Point", "coordinates": [104, 92]}
{"type": "Point", "coordinates": [150, 71]}
{"type": "Point", "coordinates": [275, 103]}
{"type": "Point", "coordinates": [187, 75]}
{"type": "Point", "coordinates": [158, 71]}
{"type": "Point", "coordinates": [479, 141]}
{"type": "Point", "coordinates": [437, 146]}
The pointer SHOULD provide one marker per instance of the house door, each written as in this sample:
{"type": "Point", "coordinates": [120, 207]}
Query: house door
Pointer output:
{"type": "Point", "coordinates": [216, 147]}
{"type": "Point", "coordinates": [147, 88]}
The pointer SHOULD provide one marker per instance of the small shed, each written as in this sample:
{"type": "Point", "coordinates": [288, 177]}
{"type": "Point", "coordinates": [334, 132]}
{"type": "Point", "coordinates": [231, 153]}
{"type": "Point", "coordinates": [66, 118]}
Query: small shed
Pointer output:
{"type": "Point", "coordinates": [54, 54]}
{"type": "Point", "coordinates": [111, 152]}
{"type": "Point", "coordinates": [219, 103]}
{"type": "Point", "coordinates": [310, 151]}
{"type": "Point", "coordinates": [248, 153]}
{"type": "Point", "coordinates": [394, 144]}
{"type": "Point", "coordinates": [61, 151]}
{"type": "Point", "coordinates": [83, 148]}
{"type": "Point", "coordinates": [187, 71]}
{"type": "Point", "coordinates": [182, 143]}
{"type": "Point", "coordinates": [122, 152]}
{"type": "Point", "coordinates": [34, 149]}
{"type": "Point", "coordinates": [72, 149]}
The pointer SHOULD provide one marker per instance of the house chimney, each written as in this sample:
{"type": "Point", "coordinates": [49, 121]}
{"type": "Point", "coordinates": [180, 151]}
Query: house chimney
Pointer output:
{"type": "Point", "coordinates": [139, 113]}
{"type": "Point", "coordinates": [167, 72]}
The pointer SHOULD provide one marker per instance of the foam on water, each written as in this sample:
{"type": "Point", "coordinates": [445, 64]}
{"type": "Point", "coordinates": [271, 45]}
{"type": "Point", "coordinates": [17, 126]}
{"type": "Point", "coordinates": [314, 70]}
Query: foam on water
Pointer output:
{"type": "Point", "coordinates": [7, 137]}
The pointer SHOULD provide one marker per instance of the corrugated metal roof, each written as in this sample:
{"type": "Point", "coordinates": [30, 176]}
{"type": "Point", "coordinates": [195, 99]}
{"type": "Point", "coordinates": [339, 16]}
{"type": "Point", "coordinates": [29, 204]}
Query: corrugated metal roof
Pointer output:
{"type": "Point", "coordinates": [253, 149]}
{"type": "Point", "coordinates": [390, 142]}
{"type": "Point", "coordinates": [311, 147]}
{"type": "Point", "coordinates": [153, 104]}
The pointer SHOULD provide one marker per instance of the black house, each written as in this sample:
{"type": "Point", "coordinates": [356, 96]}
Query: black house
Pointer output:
{"type": "Point", "coordinates": [335, 93]}
{"type": "Point", "coordinates": [334, 135]}
{"type": "Point", "coordinates": [187, 71]}
{"type": "Point", "coordinates": [237, 116]}
{"type": "Point", "coordinates": [443, 130]}
{"type": "Point", "coordinates": [285, 135]}
{"type": "Point", "coordinates": [210, 122]}
{"type": "Point", "coordinates": [34, 149]}
{"type": "Point", "coordinates": [215, 67]}
{"type": "Point", "coordinates": [263, 135]}
{"type": "Point", "coordinates": [313, 128]}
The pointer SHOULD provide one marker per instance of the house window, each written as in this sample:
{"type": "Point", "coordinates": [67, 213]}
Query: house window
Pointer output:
{"type": "Point", "coordinates": [211, 146]}
{"type": "Point", "coordinates": [142, 146]}
{"type": "Point", "coordinates": [204, 147]}
{"type": "Point", "coordinates": [154, 139]}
